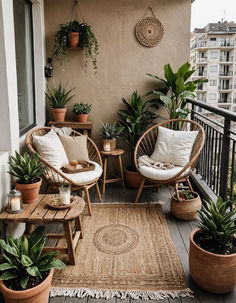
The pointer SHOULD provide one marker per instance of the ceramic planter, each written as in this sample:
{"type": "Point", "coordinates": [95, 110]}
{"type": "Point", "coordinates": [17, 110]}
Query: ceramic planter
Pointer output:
{"type": "Point", "coordinates": [186, 209]}
{"type": "Point", "coordinates": [59, 114]}
{"type": "Point", "coordinates": [212, 272]}
{"type": "Point", "coordinates": [82, 117]}
{"type": "Point", "coordinates": [37, 294]}
{"type": "Point", "coordinates": [29, 192]}
{"type": "Point", "coordinates": [73, 39]}
{"type": "Point", "coordinates": [111, 142]}
{"type": "Point", "coordinates": [133, 179]}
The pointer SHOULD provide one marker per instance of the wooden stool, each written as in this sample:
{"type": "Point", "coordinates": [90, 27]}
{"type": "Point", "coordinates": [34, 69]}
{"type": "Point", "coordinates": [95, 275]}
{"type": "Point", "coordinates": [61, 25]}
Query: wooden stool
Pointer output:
{"type": "Point", "coordinates": [104, 180]}
{"type": "Point", "coordinates": [40, 213]}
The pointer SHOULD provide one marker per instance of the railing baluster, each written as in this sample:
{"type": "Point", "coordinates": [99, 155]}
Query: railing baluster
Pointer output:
{"type": "Point", "coordinates": [232, 173]}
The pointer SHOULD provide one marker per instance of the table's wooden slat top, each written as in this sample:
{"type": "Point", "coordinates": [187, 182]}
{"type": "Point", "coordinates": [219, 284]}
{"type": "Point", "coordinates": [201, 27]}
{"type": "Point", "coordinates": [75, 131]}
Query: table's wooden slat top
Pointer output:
{"type": "Point", "coordinates": [39, 212]}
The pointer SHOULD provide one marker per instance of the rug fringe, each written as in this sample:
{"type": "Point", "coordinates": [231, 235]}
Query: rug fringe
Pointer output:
{"type": "Point", "coordinates": [109, 294]}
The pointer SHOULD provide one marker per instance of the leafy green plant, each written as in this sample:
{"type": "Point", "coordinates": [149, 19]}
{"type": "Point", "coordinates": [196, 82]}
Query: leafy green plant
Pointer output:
{"type": "Point", "coordinates": [217, 222]}
{"type": "Point", "coordinates": [135, 119]}
{"type": "Point", "coordinates": [110, 130]}
{"type": "Point", "coordinates": [177, 87]}
{"type": "Point", "coordinates": [24, 258]}
{"type": "Point", "coordinates": [187, 195]}
{"type": "Point", "coordinates": [74, 26]}
{"type": "Point", "coordinates": [58, 96]}
{"type": "Point", "coordinates": [27, 168]}
{"type": "Point", "coordinates": [81, 108]}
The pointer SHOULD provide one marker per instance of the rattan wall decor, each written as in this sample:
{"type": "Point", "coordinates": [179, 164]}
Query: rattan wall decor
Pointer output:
{"type": "Point", "coordinates": [149, 30]}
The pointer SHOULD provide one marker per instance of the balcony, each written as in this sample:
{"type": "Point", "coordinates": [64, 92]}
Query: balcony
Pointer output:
{"type": "Point", "coordinates": [225, 87]}
{"type": "Point", "coordinates": [201, 87]}
{"type": "Point", "coordinates": [202, 60]}
{"type": "Point", "coordinates": [214, 44]}
{"type": "Point", "coordinates": [200, 74]}
{"type": "Point", "coordinates": [225, 59]}
{"type": "Point", "coordinates": [224, 100]}
{"type": "Point", "coordinates": [226, 73]}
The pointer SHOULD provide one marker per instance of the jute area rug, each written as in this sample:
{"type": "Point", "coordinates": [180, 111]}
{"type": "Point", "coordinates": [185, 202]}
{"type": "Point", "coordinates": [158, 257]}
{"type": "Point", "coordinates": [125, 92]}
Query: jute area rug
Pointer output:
{"type": "Point", "coordinates": [127, 251]}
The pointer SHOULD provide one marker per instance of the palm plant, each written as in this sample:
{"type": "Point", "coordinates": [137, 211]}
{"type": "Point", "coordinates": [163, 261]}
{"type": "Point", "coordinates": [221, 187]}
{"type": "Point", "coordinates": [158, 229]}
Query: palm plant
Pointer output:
{"type": "Point", "coordinates": [176, 89]}
{"type": "Point", "coordinates": [217, 222]}
{"type": "Point", "coordinates": [135, 119]}
{"type": "Point", "coordinates": [27, 168]}
{"type": "Point", "coordinates": [24, 259]}
{"type": "Point", "coordinates": [58, 96]}
{"type": "Point", "coordinates": [110, 131]}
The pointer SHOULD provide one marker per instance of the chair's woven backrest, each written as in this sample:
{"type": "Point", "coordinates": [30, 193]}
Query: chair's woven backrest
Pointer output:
{"type": "Point", "coordinates": [147, 142]}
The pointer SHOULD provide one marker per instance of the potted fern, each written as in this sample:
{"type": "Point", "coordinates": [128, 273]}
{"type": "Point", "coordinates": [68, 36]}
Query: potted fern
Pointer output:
{"type": "Point", "coordinates": [82, 110]}
{"type": "Point", "coordinates": [28, 170]}
{"type": "Point", "coordinates": [26, 274]}
{"type": "Point", "coordinates": [58, 97]}
{"type": "Point", "coordinates": [212, 257]}
{"type": "Point", "coordinates": [109, 132]}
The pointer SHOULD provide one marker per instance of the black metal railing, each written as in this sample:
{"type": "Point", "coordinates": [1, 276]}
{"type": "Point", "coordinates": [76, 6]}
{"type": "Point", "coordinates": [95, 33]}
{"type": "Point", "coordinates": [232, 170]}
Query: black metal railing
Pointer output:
{"type": "Point", "coordinates": [217, 162]}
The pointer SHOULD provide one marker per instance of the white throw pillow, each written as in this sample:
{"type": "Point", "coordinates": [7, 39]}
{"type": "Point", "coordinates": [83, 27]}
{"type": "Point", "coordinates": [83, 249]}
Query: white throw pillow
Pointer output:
{"type": "Point", "coordinates": [174, 146]}
{"type": "Point", "coordinates": [51, 149]}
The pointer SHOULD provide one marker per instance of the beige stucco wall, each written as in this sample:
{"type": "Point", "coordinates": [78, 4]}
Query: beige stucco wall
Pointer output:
{"type": "Point", "coordinates": [122, 62]}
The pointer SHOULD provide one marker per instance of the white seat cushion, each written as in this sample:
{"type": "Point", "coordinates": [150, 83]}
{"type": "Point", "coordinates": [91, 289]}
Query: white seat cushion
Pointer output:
{"type": "Point", "coordinates": [160, 174]}
{"type": "Point", "coordinates": [87, 176]}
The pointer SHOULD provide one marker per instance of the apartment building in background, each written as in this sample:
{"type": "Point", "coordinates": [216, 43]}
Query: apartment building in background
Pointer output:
{"type": "Point", "coordinates": [213, 54]}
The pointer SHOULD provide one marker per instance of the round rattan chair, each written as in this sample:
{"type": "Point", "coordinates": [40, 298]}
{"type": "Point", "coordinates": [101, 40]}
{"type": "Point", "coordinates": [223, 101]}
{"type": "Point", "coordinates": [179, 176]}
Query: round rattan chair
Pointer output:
{"type": "Point", "coordinates": [56, 178]}
{"type": "Point", "coordinates": [146, 146]}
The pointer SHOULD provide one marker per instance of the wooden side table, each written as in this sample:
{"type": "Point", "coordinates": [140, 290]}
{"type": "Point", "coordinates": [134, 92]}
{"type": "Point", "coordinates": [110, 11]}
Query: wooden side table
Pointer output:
{"type": "Point", "coordinates": [104, 180]}
{"type": "Point", "coordinates": [84, 127]}
{"type": "Point", "coordinates": [40, 213]}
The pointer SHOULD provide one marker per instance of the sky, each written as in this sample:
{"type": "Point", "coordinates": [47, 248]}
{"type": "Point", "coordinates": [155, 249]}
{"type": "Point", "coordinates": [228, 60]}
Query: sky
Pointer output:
{"type": "Point", "coordinates": [206, 11]}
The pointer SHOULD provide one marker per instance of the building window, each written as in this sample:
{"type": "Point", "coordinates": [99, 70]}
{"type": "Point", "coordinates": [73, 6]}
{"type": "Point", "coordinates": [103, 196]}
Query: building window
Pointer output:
{"type": "Point", "coordinates": [24, 63]}
{"type": "Point", "coordinates": [212, 96]}
{"type": "Point", "coordinates": [213, 54]}
{"type": "Point", "coordinates": [213, 68]}
{"type": "Point", "coordinates": [213, 83]}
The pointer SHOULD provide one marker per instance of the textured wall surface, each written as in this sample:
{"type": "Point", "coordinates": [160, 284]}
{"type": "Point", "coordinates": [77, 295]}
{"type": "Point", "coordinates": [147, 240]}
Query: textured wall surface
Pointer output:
{"type": "Point", "coordinates": [122, 62]}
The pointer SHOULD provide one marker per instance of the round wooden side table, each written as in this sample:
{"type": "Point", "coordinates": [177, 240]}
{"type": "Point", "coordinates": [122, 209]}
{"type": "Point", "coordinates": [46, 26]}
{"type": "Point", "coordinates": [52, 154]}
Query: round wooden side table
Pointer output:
{"type": "Point", "coordinates": [104, 180]}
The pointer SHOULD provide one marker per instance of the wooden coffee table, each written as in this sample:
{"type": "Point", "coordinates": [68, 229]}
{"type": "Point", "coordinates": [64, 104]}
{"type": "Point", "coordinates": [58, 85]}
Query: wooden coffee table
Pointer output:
{"type": "Point", "coordinates": [40, 213]}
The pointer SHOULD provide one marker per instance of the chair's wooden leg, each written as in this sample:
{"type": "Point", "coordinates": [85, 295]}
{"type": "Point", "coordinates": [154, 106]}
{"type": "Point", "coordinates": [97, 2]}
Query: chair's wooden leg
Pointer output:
{"type": "Point", "coordinates": [69, 240]}
{"type": "Point", "coordinates": [82, 194]}
{"type": "Point", "coordinates": [104, 175]}
{"type": "Point", "coordinates": [78, 226]}
{"type": "Point", "coordinates": [140, 190]}
{"type": "Point", "coordinates": [177, 191]}
{"type": "Point", "coordinates": [88, 201]}
{"type": "Point", "coordinates": [99, 193]}
{"type": "Point", "coordinates": [121, 172]}
{"type": "Point", "coordinates": [189, 184]}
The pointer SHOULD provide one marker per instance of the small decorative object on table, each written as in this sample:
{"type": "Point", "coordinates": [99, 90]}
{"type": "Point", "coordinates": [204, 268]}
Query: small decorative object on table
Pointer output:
{"type": "Point", "coordinates": [14, 205]}
{"type": "Point", "coordinates": [109, 132]}
{"type": "Point", "coordinates": [57, 202]}
{"type": "Point", "coordinates": [82, 110]}
{"type": "Point", "coordinates": [64, 192]}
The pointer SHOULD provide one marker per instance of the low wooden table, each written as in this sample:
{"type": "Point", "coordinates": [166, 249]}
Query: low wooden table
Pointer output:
{"type": "Point", "coordinates": [84, 127]}
{"type": "Point", "coordinates": [40, 213]}
{"type": "Point", "coordinates": [104, 180]}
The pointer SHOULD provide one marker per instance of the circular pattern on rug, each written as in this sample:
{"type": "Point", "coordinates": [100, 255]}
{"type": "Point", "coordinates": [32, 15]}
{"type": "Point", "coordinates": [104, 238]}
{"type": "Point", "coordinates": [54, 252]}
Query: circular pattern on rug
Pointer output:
{"type": "Point", "coordinates": [115, 239]}
{"type": "Point", "coordinates": [149, 31]}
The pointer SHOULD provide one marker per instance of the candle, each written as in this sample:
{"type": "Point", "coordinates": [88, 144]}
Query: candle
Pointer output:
{"type": "Point", "coordinates": [107, 147]}
{"type": "Point", "coordinates": [15, 204]}
{"type": "Point", "coordinates": [65, 198]}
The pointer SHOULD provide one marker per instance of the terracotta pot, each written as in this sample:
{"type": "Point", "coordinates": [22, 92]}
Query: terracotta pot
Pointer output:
{"type": "Point", "coordinates": [59, 114]}
{"type": "Point", "coordinates": [186, 209]}
{"type": "Point", "coordinates": [73, 39]}
{"type": "Point", "coordinates": [212, 272]}
{"type": "Point", "coordinates": [37, 294]}
{"type": "Point", "coordinates": [29, 192]}
{"type": "Point", "coordinates": [112, 143]}
{"type": "Point", "coordinates": [133, 179]}
{"type": "Point", "coordinates": [82, 117]}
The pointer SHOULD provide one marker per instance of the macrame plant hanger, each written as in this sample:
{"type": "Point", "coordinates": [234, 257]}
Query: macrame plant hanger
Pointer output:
{"type": "Point", "coordinates": [76, 12]}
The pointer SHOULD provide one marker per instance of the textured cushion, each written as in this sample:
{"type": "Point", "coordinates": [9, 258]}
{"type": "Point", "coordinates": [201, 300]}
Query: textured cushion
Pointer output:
{"type": "Point", "coordinates": [87, 176]}
{"type": "Point", "coordinates": [174, 146]}
{"type": "Point", "coordinates": [160, 174]}
{"type": "Point", "coordinates": [75, 147]}
{"type": "Point", "coordinates": [51, 149]}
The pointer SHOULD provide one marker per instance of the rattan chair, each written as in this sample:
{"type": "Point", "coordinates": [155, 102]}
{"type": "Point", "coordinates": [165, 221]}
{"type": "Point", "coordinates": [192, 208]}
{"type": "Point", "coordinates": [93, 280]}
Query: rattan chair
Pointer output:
{"type": "Point", "coordinates": [146, 146]}
{"type": "Point", "coordinates": [56, 178]}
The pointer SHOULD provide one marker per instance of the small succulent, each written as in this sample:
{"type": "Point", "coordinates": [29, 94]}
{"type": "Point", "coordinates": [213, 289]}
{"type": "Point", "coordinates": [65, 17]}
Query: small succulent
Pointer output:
{"type": "Point", "coordinates": [81, 108]}
{"type": "Point", "coordinates": [217, 222]}
{"type": "Point", "coordinates": [110, 130]}
{"type": "Point", "coordinates": [24, 257]}
{"type": "Point", "coordinates": [187, 195]}
{"type": "Point", "coordinates": [27, 168]}
{"type": "Point", "coordinates": [58, 96]}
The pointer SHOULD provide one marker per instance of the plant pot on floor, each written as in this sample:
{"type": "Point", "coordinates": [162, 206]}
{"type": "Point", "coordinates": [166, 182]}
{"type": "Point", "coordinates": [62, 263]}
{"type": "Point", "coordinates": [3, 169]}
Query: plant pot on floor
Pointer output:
{"type": "Point", "coordinates": [59, 114]}
{"type": "Point", "coordinates": [186, 209]}
{"type": "Point", "coordinates": [111, 142]}
{"type": "Point", "coordinates": [37, 294]}
{"type": "Point", "coordinates": [82, 117]}
{"type": "Point", "coordinates": [133, 179]}
{"type": "Point", "coordinates": [212, 272]}
{"type": "Point", "coordinates": [29, 192]}
{"type": "Point", "coordinates": [73, 39]}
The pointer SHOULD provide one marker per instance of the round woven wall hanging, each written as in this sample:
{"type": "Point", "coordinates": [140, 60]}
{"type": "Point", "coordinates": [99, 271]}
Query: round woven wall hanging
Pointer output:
{"type": "Point", "coordinates": [149, 30]}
